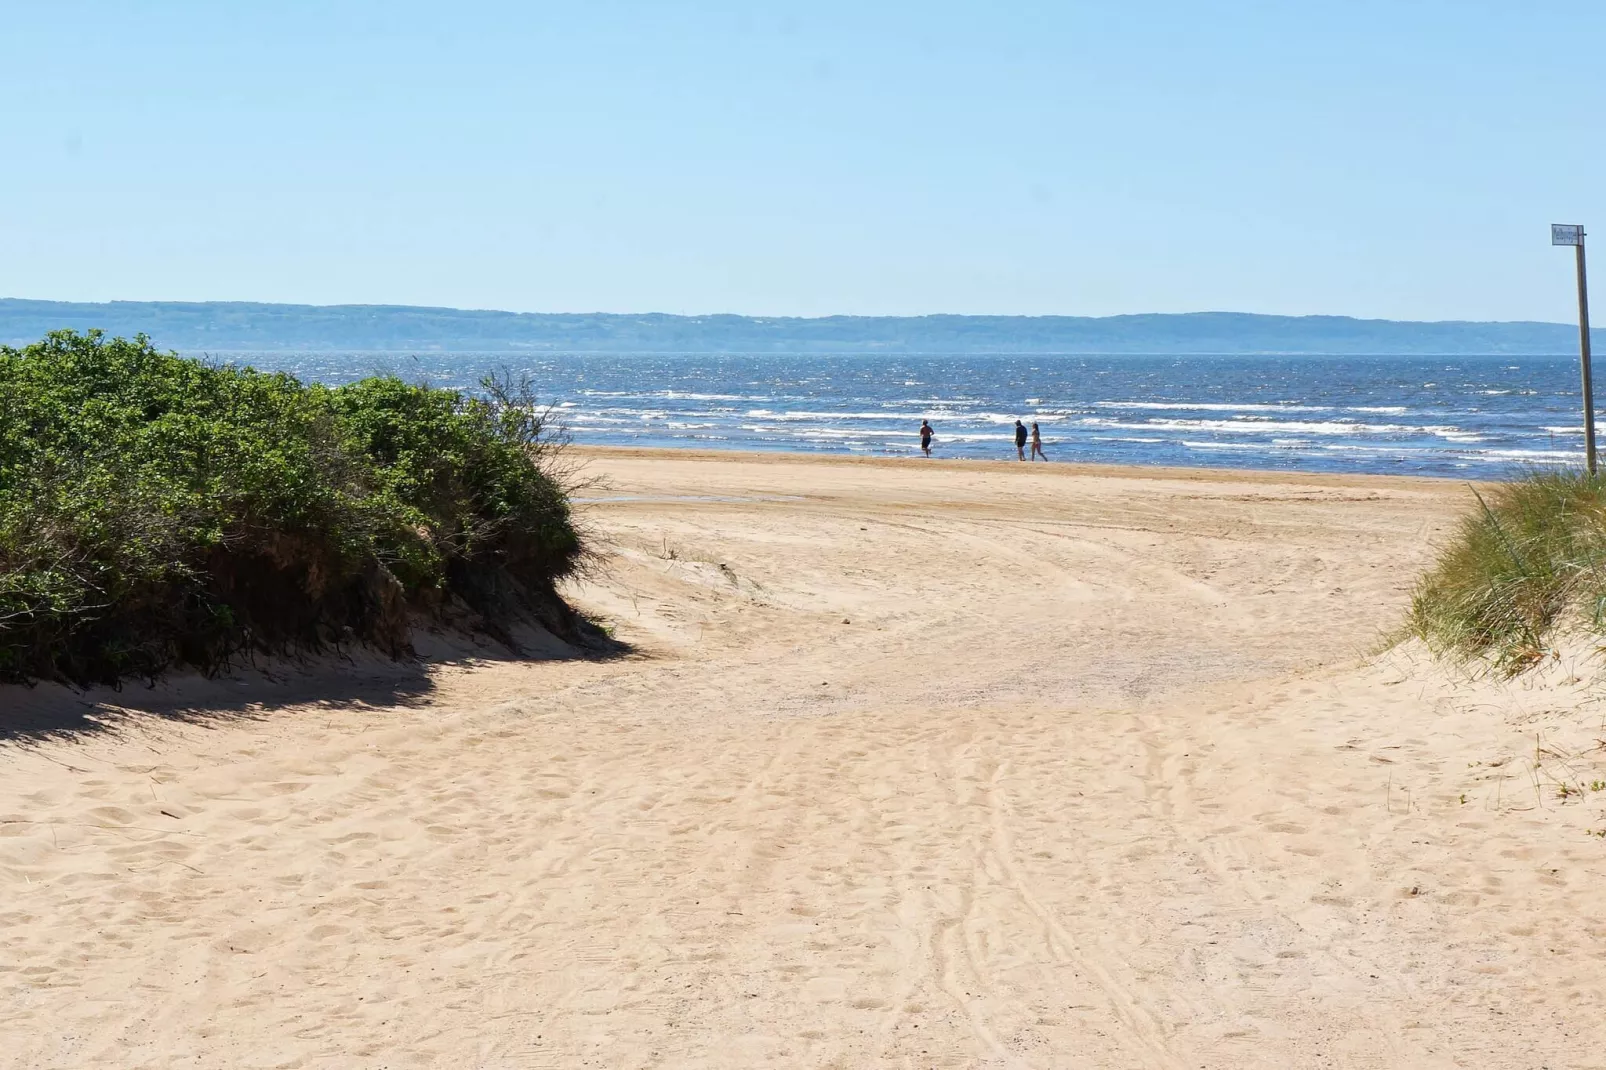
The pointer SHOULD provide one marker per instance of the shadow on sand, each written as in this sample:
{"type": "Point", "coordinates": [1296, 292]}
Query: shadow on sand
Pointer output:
{"type": "Point", "coordinates": [256, 690]}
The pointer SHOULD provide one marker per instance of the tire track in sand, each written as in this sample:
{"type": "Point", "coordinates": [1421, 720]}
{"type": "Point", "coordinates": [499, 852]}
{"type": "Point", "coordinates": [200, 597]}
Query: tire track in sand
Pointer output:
{"type": "Point", "coordinates": [1144, 1032]}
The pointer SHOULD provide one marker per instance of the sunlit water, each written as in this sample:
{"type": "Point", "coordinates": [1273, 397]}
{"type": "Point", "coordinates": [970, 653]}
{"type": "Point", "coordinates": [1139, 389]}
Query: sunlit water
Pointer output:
{"type": "Point", "coordinates": [1469, 417]}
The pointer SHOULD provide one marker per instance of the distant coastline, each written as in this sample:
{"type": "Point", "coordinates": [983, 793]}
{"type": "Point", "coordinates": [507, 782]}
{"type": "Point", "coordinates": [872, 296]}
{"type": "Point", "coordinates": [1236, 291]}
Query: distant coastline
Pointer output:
{"type": "Point", "coordinates": [245, 327]}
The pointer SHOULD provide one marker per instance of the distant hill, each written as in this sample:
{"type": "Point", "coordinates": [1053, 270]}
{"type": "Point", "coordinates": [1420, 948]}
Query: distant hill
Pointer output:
{"type": "Point", "coordinates": [233, 326]}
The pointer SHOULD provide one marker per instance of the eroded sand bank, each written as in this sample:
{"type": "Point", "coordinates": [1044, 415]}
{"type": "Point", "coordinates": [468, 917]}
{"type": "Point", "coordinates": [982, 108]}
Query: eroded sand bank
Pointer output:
{"type": "Point", "coordinates": [916, 765]}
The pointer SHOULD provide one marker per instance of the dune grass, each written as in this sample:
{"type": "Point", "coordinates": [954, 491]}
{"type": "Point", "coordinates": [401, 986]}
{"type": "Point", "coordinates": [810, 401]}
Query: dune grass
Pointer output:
{"type": "Point", "coordinates": [159, 511]}
{"type": "Point", "coordinates": [1528, 560]}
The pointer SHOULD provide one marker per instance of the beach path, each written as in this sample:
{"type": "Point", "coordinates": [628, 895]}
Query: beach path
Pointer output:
{"type": "Point", "coordinates": [914, 765]}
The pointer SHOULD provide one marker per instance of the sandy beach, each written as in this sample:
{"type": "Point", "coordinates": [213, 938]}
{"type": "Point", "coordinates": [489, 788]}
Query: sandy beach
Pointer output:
{"type": "Point", "coordinates": [913, 764]}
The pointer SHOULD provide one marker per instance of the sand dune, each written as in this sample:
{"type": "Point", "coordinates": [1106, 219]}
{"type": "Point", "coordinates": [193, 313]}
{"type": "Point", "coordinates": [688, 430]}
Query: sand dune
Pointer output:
{"type": "Point", "coordinates": [915, 765]}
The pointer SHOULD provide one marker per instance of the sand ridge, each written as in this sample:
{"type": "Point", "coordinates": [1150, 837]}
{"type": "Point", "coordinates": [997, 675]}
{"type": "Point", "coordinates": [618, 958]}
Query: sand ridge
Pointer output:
{"type": "Point", "coordinates": [916, 765]}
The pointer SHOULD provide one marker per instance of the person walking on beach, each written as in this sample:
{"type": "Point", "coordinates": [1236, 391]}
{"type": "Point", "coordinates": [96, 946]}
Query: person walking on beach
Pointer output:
{"type": "Point", "coordinates": [925, 438]}
{"type": "Point", "coordinates": [1037, 443]}
{"type": "Point", "coordinates": [1020, 440]}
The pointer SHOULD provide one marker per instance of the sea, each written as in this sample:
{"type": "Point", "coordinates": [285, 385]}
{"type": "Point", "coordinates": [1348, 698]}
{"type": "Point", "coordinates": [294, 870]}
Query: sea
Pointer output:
{"type": "Point", "coordinates": [1468, 417]}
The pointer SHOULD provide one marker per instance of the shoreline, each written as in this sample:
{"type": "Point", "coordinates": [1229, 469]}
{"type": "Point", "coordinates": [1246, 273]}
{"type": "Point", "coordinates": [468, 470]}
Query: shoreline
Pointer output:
{"type": "Point", "coordinates": [1067, 469]}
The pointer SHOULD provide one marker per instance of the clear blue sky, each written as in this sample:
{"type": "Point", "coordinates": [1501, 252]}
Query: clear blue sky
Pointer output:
{"type": "Point", "coordinates": [1397, 158]}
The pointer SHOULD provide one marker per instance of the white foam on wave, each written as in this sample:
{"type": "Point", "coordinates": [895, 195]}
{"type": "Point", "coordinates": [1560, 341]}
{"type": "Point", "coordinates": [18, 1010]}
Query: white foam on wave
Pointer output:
{"type": "Point", "coordinates": [1252, 426]}
{"type": "Point", "coordinates": [1003, 441]}
{"type": "Point", "coordinates": [1251, 407]}
{"type": "Point", "coordinates": [801, 416]}
{"type": "Point", "coordinates": [848, 434]}
{"type": "Point", "coordinates": [618, 414]}
{"type": "Point", "coordinates": [1483, 456]}
{"type": "Point", "coordinates": [913, 418]}
{"type": "Point", "coordinates": [1211, 406]}
{"type": "Point", "coordinates": [1380, 448]}
{"type": "Point", "coordinates": [688, 395]}
{"type": "Point", "coordinates": [1529, 455]}
{"type": "Point", "coordinates": [582, 418]}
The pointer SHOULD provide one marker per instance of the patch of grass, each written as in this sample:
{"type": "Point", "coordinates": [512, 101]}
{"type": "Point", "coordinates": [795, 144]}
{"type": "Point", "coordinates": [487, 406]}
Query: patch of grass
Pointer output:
{"type": "Point", "coordinates": [1530, 556]}
{"type": "Point", "coordinates": [158, 511]}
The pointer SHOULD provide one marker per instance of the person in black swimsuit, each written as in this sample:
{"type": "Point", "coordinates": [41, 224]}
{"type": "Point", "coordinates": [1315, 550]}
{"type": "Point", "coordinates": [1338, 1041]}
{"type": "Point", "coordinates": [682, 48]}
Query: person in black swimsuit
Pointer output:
{"type": "Point", "coordinates": [925, 438]}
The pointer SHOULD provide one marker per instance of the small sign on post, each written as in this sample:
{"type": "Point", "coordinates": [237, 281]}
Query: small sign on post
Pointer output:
{"type": "Point", "coordinates": [1573, 234]}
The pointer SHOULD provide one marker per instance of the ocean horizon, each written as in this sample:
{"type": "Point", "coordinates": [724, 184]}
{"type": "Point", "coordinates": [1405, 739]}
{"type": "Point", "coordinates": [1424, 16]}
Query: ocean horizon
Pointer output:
{"type": "Point", "coordinates": [1470, 417]}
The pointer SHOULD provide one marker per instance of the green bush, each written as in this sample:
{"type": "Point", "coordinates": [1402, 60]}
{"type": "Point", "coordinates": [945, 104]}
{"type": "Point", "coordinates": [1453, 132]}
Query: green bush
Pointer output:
{"type": "Point", "coordinates": [156, 510]}
{"type": "Point", "coordinates": [1531, 557]}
